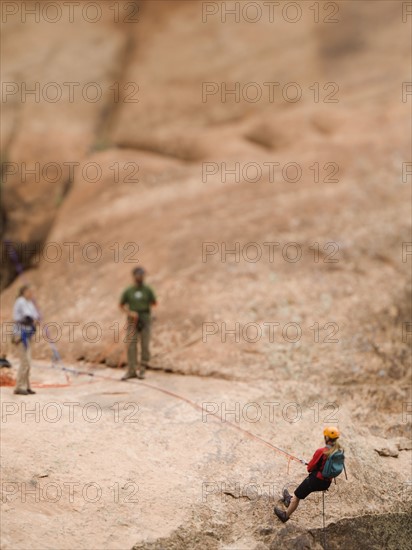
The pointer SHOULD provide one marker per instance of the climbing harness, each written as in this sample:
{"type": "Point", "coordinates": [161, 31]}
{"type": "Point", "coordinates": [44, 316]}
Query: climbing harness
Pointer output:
{"type": "Point", "coordinates": [20, 270]}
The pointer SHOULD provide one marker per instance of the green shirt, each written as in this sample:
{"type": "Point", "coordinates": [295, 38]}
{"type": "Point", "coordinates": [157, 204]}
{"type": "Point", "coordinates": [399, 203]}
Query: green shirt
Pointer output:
{"type": "Point", "coordinates": [138, 298]}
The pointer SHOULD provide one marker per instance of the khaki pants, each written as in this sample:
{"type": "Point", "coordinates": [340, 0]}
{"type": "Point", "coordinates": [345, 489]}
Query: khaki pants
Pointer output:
{"type": "Point", "coordinates": [132, 339]}
{"type": "Point", "coordinates": [23, 373]}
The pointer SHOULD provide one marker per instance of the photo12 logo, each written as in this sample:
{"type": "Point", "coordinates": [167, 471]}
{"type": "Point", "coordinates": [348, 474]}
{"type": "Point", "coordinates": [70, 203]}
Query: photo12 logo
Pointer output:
{"type": "Point", "coordinates": [271, 172]}
{"type": "Point", "coordinates": [269, 251]}
{"type": "Point", "coordinates": [70, 411]}
{"type": "Point", "coordinates": [70, 252]}
{"type": "Point", "coordinates": [253, 491]}
{"type": "Point", "coordinates": [268, 331]}
{"type": "Point", "coordinates": [70, 92]}
{"type": "Point", "coordinates": [69, 12]}
{"type": "Point", "coordinates": [269, 12]}
{"type": "Point", "coordinates": [269, 92]}
{"type": "Point", "coordinates": [406, 12]}
{"type": "Point", "coordinates": [269, 411]}
{"type": "Point", "coordinates": [66, 172]}
{"type": "Point", "coordinates": [70, 491]}
{"type": "Point", "coordinates": [90, 332]}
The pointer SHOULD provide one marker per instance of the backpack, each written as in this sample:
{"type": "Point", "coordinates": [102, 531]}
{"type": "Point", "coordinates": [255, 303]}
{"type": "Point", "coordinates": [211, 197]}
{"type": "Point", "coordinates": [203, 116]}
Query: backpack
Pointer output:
{"type": "Point", "coordinates": [334, 465]}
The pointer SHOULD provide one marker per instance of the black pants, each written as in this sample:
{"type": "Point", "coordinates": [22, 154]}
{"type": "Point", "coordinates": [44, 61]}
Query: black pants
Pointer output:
{"type": "Point", "coordinates": [310, 485]}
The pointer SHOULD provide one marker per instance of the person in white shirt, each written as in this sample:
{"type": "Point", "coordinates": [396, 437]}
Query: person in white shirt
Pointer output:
{"type": "Point", "coordinates": [26, 318]}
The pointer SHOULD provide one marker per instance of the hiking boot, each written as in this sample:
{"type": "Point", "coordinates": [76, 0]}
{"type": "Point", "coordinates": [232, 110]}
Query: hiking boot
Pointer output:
{"type": "Point", "coordinates": [287, 497]}
{"type": "Point", "coordinates": [31, 392]}
{"type": "Point", "coordinates": [127, 376]}
{"type": "Point", "coordinates": [141, 375]}
{"type": "Point", "coordinates": [281, 515]}
{"type": "Point", "coordinates": [21, 392]}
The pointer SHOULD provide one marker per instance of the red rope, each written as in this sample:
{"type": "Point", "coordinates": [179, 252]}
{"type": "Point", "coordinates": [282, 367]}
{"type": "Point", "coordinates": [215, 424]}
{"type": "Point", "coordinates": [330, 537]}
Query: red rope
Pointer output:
{"type": "Point", "coordinates": [245, 432]}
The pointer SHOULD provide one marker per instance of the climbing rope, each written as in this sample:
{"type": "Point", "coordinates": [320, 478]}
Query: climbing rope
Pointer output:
{"type": "Point", "coordinates": [243, 430]}
{"type": "Point", "coordinates": [190, 402]}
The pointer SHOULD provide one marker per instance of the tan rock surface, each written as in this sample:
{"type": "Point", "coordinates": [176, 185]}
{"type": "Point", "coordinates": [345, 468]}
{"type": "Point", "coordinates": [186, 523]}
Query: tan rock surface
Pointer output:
{"type": "Point", "coordinates": [156, 204]}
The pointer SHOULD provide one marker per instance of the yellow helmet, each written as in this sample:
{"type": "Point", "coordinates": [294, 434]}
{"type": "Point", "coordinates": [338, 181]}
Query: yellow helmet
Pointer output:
{"type": "Point", "coordinates": [331, 432]}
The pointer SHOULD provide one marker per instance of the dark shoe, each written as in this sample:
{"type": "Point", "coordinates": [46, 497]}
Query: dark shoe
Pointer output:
{"type": "Point", "coordinates": [21, 392]}
{"type": "Point", "coordinates": [5, 363]}
{"type": "Point", "coordinates": [127, 376]}
{"type": "Point", "coordinates": [31, 392]}
{"type": "Point", "coordinates": [281, 515]}
{"type": "Point", "coordinates": [141, 375]}
{"type": "Point", "coordinates": [287, 497]}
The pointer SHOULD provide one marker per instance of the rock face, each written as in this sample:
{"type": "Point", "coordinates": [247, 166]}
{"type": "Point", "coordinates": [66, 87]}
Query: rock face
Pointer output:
{"type": "Point", "coordinates": [393, 529]}
{"type": "Point", "coordinates": [259, 171]}
{"type": "Point", "coordinates": [56, 94]}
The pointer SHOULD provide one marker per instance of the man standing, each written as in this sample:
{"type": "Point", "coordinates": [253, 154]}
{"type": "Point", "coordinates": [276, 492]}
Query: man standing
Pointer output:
{"type": "Point", "coordinates": [26, 318]}
{"type": "Point", "coordinates": [137, 301]}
